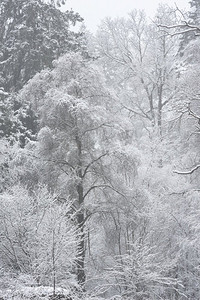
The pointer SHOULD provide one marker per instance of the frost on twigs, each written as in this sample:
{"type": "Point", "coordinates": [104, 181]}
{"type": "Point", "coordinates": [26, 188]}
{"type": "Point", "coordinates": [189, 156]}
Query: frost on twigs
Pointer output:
{"type": "Point", "coordinates": [38, 293]}
{"type": "Point", "coordinates": [40, 239]}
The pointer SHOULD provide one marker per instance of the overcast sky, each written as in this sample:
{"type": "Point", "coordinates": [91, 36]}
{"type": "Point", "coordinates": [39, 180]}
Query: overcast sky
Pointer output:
{"type": "Point", "coordinates": [93, 11]}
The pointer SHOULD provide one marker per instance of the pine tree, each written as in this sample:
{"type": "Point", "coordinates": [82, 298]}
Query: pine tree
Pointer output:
{"type": "Point", "coordinates": [32, 35]}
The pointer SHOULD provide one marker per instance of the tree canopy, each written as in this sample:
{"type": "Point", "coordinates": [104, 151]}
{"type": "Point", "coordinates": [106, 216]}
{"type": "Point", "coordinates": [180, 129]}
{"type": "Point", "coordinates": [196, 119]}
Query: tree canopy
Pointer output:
{"type": "Point", "coordinates": [99, 155]}
{"type": "Point", "coordinates": [32, 35]}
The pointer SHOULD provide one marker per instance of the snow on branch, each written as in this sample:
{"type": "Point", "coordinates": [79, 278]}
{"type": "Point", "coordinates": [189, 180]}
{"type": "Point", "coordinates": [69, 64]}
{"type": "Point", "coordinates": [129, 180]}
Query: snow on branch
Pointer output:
{"type": "Point", "coordinates": [194, 115]}
{"type": "Point", "coordinates": [187, 172]}
{"type": "Point", "coordinates": [2, 92]}
{"type": "Point", "coordinates": [183, 27]}
{"type": "Point", "coordinates": [191, 113]}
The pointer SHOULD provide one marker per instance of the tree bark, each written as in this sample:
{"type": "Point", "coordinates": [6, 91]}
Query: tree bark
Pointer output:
{"type": "Point", "coordinates": [80, 218]}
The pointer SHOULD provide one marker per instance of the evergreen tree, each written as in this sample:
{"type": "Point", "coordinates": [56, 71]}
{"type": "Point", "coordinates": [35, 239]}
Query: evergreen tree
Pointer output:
{"type": "Point", "coordinates": [194, 20]}
{"type": "Point", "coordinates": [32, 35]}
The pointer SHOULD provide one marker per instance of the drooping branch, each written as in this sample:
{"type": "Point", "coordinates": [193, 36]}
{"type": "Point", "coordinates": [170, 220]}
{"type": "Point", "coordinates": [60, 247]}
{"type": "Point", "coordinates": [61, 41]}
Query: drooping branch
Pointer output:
{"type": "Point", "coordinates": [95, 187]}
{"type": "Point", "coordinates": [109, 186]}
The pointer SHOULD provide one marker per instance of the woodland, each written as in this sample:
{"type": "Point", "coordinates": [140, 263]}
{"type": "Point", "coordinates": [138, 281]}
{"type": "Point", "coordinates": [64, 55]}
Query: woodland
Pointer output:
{"type": "Point", "coordinates": [99, 154]}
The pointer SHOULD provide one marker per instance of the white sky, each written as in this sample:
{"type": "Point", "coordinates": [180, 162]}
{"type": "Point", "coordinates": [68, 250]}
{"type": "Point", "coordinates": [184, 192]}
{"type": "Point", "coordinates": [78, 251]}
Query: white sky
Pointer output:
{"type": "Point", "coordinates": [93, 11]}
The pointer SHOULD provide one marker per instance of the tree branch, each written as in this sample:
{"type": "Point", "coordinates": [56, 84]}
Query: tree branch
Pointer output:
{"type": "Point", "coordinates": [191, 113]}
{"type": "Point", "coordinates": [95, 187]}
{"type": "Point", "coordinates": [186, 28]}
{"type": "Point", "coordinates": [143, 114]}
{"type": "Point", "coordinates": [95, 128]}
{"type": "Point", "coordinates": [92, 162]}
{"type": "Point", "coordinates": [187, 172]}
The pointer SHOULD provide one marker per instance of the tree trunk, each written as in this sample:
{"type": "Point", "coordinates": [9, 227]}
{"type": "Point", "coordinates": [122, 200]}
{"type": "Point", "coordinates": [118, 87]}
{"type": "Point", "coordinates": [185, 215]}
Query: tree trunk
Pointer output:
{"type": "Point", "coordinates": [81, 246]}
{"type": "Point", "coordinates": [80, 218]}
{"type": "Point", "coordinates": [160, 92]}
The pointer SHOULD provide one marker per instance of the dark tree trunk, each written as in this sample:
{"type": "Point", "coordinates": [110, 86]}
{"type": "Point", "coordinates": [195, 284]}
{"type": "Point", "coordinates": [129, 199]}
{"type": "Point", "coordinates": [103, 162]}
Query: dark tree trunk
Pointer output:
{"type": "Point", "coordinates": [80, 218]}
{"type": "Point", "coordinates": [81, 255]}
{"type": "Point", "coordinates": [160, 93]}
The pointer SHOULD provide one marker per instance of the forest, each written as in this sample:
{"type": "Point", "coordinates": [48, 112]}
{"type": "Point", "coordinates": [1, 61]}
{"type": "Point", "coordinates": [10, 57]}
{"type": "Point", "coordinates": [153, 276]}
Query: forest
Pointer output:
{"type": "Point", "coordinates": [99, 159]}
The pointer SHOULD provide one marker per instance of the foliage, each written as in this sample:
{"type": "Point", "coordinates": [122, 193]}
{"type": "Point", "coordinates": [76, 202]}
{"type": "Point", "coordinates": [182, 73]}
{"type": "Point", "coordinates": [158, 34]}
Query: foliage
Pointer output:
{"type": "Point", "coordinates": [37, 235]}
{"type": "Point", "coordinates": [113, 141]}
{"type": "Point", "coordinates": [74, 109]}
{"type": "Point", "coordinates": [140, 61]}
{"type": "Point", "coordinates": [32, 35]}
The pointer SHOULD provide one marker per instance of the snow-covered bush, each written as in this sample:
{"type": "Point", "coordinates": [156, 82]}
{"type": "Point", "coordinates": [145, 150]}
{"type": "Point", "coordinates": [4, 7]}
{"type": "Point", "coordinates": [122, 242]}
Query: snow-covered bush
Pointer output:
{"type": "Point", "coordinates": [38, 236]}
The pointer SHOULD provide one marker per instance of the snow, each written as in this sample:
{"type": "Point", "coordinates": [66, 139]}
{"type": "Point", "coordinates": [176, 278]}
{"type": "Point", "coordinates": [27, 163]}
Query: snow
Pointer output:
{"type": "Point", "coordinates": [3, 93]}
{"type": "Point", "coordinates": [36, 293]}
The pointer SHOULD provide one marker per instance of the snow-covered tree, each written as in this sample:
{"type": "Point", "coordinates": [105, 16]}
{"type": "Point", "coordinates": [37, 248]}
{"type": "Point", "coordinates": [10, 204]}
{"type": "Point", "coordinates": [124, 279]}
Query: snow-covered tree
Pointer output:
{"type": "Point", "coordinates": [32, 35]}
{"type": "Point", "coordinates": [76, 127]}
{"type": "Point", "coordinates": [140, 60]}
{"type": "Point", "coordinates": [38, 237]}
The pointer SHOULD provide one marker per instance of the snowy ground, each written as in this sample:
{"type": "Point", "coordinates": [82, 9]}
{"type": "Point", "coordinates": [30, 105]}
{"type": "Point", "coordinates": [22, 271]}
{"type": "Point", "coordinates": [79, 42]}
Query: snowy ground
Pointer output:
{"type": "Point", "coordinates": [35, 293]}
